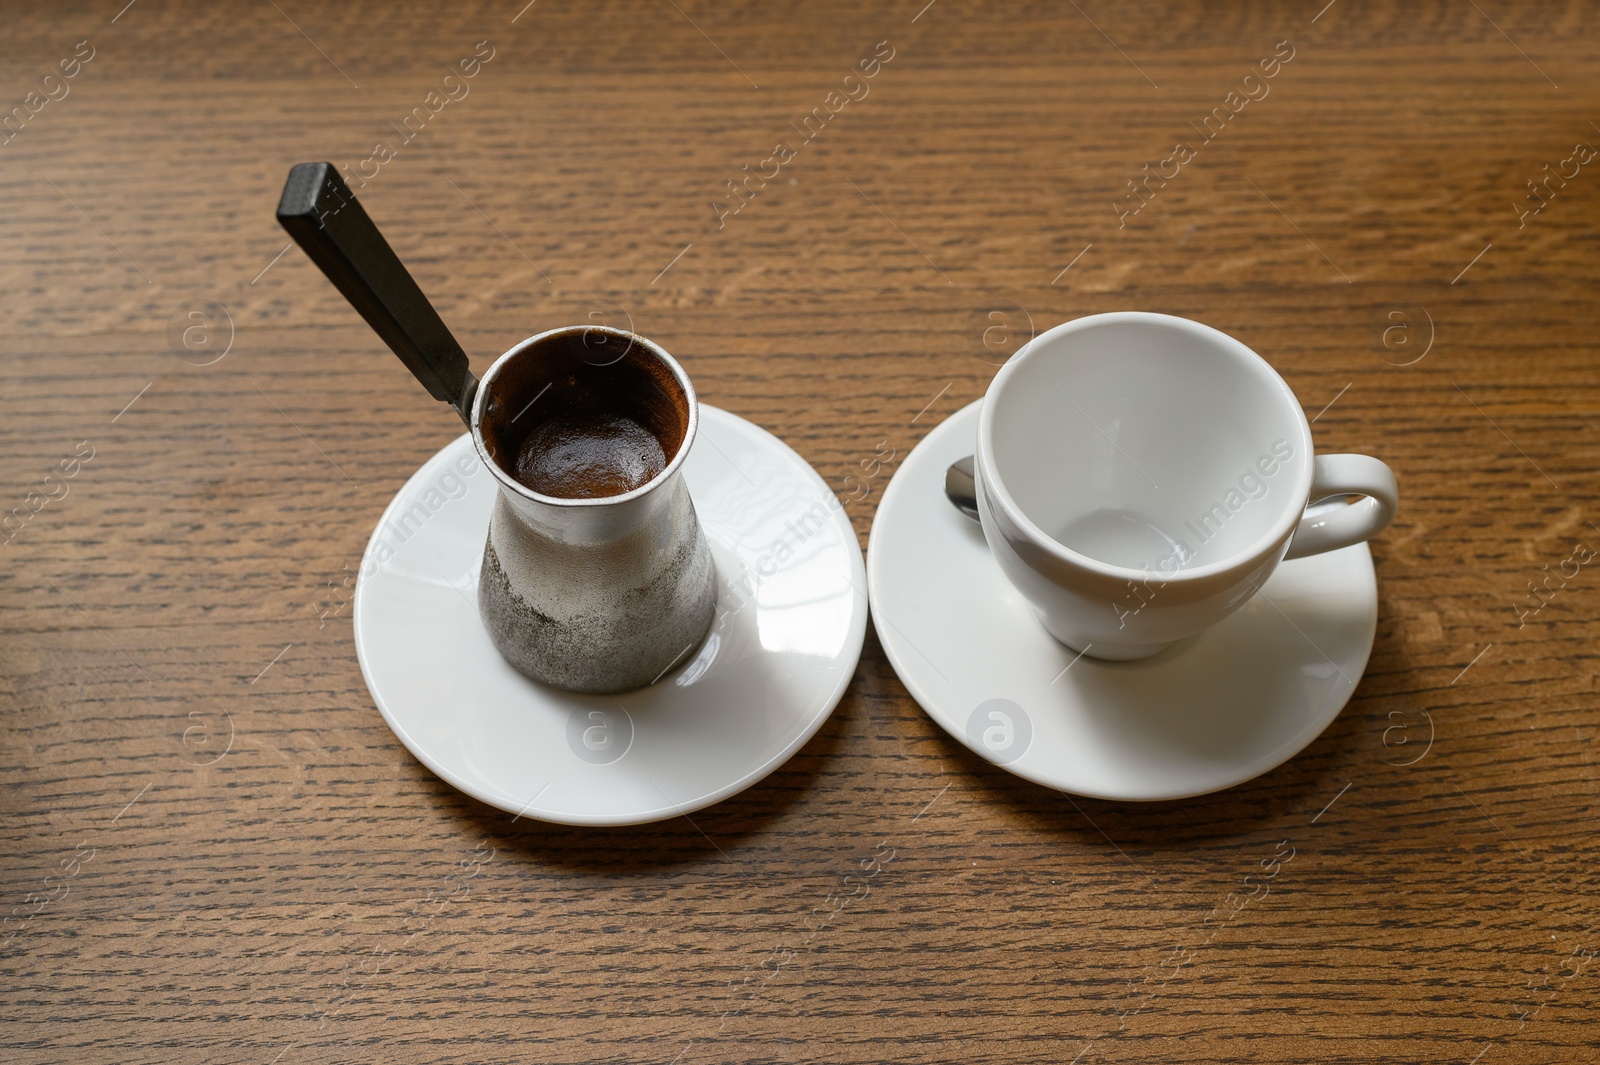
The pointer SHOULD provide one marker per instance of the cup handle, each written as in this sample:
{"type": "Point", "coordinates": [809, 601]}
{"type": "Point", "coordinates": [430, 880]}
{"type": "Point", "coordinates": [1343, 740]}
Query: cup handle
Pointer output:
{"type": "Point", "coordinates": [1339, 475]}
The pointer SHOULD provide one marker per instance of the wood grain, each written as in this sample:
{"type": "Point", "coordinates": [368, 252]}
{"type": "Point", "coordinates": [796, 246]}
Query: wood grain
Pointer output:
{"type": "Point", "coordinates": [257, 861]}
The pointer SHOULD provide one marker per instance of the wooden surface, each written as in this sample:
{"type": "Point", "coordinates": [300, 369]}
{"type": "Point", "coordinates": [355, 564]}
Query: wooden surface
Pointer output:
{"type": "Point", "coordinates": [248, 867]}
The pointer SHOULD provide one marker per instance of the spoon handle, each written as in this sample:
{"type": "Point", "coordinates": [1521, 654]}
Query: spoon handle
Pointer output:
{"type": "Point", "coordinates": [325, 219]}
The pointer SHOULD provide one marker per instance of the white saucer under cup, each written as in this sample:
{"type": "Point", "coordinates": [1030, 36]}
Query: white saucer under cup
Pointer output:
{"type": "Point", "coordinates": [1214, 710]}
{"type": "Point", "coordinates": [791, 619]}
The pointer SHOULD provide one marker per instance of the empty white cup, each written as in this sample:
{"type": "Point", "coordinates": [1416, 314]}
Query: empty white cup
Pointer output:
{"type": "Point", "coordinates": [1140, 476]}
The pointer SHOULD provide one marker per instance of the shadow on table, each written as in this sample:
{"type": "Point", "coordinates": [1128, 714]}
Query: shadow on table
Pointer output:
{"type": "Point", "coordinates": [1304, 782]}
{"type": "Point", "coordinates": [678, 842]}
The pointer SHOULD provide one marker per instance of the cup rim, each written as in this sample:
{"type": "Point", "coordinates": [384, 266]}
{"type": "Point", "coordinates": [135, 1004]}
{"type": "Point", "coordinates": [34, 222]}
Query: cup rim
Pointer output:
{"type": "Point", "coordinates": [1236, 349]}
{"type": "Point", "coordinates": [517, 487]}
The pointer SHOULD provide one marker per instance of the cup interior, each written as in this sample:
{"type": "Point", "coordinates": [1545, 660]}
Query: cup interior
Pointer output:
{"type": "Point", "coordinates": [1149, 442]}
{"type": "Point", "coordinates": [584, 412]}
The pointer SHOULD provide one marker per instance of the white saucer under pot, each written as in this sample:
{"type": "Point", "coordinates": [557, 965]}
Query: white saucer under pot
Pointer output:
{"type": "Point", "coordinates": [1210, 712]}
{"type": "Point", "coordinates": [791, 618]}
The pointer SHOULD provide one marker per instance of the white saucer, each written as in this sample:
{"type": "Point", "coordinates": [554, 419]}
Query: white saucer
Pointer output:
{"type": "Point", "coordinates": [776, 663]}
{"type": "Point", "coordinates": [1213, 711]}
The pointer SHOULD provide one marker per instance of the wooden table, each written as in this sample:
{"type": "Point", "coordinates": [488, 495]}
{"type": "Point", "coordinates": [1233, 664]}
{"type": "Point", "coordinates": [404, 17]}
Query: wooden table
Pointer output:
{"type": "Point", "coordinates": [245, 865]}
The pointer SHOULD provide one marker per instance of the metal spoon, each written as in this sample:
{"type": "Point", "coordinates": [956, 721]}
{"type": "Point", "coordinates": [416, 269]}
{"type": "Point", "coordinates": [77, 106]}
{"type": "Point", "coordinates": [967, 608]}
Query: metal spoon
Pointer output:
{"type": "Point", "coordinates": [961, 487]}
{"type": "Point", "coordinates": [322, 215]}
